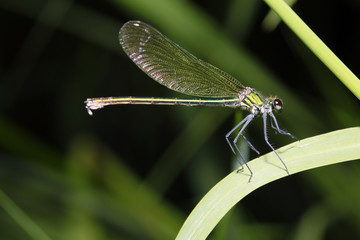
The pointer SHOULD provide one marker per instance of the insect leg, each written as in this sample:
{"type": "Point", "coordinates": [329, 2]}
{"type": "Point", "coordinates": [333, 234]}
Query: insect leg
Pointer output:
{"type": "Point", "coordinates": [233, 145]}
{"type": "Point", "coordinates": [275, 126]}
{"type": "Point", "coordinates": [267, 139]}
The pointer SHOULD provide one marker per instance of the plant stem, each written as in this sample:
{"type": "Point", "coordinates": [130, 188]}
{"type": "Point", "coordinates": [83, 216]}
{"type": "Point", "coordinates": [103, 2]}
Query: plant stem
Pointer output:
{"type": "Point", "coordinates": [294, 22]}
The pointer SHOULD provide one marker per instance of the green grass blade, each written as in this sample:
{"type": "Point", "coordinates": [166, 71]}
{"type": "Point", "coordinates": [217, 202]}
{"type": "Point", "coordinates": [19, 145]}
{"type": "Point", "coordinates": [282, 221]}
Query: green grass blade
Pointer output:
{"type": "Point", "coordinates": [34, 231]}
{"type": "Point", "coordinates": [314, 43]}
{"type": "Point", "coordinates": [321, 150]}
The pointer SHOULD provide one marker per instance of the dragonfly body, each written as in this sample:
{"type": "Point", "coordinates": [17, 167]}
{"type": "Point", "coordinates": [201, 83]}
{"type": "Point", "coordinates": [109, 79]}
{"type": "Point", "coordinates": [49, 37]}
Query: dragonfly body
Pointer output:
{"type": "Point", "coordinates": [249, 100]}
{"type": "Point", "coordinates": [172, 66]}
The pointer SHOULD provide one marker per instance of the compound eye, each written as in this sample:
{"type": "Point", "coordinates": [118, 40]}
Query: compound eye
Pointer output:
{"type": "Point", "coordinates": [277, 104]}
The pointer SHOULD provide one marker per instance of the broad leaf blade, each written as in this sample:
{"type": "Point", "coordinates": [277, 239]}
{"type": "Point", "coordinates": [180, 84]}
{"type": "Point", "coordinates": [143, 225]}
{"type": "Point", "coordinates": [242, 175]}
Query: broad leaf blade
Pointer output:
{"type": "Point", "coordinates": [321, 150]}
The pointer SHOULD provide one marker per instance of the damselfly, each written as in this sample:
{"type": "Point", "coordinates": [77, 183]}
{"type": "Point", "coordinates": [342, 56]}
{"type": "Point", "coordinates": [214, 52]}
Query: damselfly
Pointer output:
{"type": "Point", "coordinates": [172, 66]}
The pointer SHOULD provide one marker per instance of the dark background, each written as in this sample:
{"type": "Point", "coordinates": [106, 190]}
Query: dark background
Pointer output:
{"type": "Point", "coordinates": [136, 172]}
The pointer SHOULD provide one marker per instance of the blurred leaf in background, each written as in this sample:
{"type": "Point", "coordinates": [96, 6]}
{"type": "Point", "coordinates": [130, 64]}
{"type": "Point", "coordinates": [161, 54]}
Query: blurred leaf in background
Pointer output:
{"type": "Point", "coordinates": [135, 172]}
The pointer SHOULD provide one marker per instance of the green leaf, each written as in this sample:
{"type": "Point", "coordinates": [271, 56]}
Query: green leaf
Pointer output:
{"type": "Point", "coordinates": [321, 150]}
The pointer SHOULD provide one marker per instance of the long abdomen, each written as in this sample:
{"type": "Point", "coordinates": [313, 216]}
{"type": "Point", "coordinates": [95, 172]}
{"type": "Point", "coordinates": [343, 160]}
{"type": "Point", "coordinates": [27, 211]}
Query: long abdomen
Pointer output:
{"type": "Point", "coordinates": [97, 103]}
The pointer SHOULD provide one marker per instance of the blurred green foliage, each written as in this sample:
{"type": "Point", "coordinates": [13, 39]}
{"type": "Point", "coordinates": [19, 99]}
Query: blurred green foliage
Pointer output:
{"type": "Point", "coordinates": [135, 172]}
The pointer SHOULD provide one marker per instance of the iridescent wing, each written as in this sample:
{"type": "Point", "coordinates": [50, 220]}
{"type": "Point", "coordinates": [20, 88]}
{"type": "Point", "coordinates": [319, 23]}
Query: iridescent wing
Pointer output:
{"type": "Point", "coordinates": [172, 66]}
